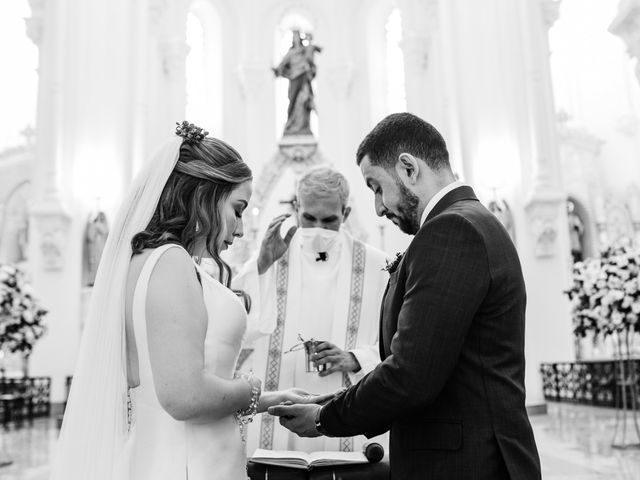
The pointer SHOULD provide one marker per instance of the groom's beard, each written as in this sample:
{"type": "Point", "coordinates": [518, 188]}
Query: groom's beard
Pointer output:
{"type": "Point", "coordinates": [407, 217]}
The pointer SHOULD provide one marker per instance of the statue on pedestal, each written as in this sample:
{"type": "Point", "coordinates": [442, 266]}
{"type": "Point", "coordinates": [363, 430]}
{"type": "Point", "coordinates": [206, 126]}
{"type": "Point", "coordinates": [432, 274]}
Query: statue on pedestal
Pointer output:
{"type": "Point", "coordinates": [298, 66]}
{"type": "Point", "coordinates": [96, 238]}
{"type": "Point", "coordinates": [576, 232]}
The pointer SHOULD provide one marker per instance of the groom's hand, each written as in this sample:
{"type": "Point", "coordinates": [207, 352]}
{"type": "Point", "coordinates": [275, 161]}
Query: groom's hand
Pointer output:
{"type": "Point", "coordinates": [300, 419]}
{"type": "Point", "coordinates": [335, 359]}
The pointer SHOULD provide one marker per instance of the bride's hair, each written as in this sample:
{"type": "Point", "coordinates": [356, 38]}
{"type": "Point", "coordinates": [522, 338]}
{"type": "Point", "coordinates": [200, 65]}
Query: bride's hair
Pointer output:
{"type": "Point", "coordinates": [189, 207]}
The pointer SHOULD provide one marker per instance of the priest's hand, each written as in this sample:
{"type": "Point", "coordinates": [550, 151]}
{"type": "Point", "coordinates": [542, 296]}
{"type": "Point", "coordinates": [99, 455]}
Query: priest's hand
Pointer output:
{"type": "Point", "coordinates": [300, 419]}
{"type": "Point", "coordinates": [334, 359]}
{"type": "Point", "coordinates": [273, 244]}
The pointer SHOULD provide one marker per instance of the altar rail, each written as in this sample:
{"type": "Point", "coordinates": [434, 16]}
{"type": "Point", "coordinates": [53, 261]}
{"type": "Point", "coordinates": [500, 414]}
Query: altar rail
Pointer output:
{"type": "Point", "coordinates": [586, 382]}
{"type": "Point", "coordinates": [24, 398]}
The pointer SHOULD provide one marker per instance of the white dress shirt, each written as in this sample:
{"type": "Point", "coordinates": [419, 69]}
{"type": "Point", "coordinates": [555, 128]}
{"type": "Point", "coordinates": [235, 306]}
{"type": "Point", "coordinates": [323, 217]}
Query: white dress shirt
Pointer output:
{"type": "Point", "coordinates": [437, 197]}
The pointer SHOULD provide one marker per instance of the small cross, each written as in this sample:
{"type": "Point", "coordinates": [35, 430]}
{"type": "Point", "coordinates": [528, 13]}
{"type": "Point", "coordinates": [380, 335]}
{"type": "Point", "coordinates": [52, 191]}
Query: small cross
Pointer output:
{"type": "Point", "coordinates": [29, 134]}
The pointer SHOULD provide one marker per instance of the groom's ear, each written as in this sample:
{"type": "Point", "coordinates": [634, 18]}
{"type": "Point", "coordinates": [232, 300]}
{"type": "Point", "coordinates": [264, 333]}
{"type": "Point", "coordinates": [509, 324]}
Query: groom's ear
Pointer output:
{"type": "Point", "coordinates": [408, 168]}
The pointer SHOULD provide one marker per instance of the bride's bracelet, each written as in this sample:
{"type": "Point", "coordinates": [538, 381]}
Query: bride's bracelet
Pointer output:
{"type": "Point", "coordinates": [245, 415]}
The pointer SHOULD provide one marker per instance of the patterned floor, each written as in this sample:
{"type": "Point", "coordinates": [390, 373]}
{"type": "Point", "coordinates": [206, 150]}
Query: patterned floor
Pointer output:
{"type": "Point", "coordinates": [574, 444]}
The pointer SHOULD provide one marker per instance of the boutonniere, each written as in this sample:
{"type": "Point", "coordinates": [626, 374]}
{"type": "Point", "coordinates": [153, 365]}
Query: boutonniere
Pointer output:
{"type": "Point", "coordinates": [392, 265]}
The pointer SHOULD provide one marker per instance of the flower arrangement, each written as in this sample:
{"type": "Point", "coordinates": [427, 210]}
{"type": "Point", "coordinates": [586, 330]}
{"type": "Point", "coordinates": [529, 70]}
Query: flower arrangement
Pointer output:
{"type": "Point", "coordinates": [21, 318]}
{"type": "Point", "coordinates": [605, 295]}
{"type": "Point", "coordinates": [392, 265]}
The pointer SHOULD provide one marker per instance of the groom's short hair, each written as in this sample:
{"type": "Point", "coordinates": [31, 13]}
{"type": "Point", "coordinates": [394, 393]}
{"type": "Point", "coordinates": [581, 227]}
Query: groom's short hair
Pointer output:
{"type": "Point", "coordinates": [404, 133]}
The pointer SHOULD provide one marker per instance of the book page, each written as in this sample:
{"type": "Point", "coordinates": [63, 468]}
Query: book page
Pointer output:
{"type": "Point", "coordinates": [318, 459]}
{"type": "Point", "coordinates": [281, 454]}
{"type": "Point", "coordinates": [284, 458]}
{"type": "Point", "coordinates": [293, 459]}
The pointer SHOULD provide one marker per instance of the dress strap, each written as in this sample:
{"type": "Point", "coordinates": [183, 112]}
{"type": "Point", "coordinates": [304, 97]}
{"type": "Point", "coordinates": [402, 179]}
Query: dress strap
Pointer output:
{"type": "Point", "coordinates": [139, 309]}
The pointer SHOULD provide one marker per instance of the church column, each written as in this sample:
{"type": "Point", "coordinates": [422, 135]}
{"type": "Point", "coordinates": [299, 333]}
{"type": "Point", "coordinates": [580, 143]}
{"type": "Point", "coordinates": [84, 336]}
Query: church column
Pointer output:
{"type": "Point", "coordinates": [83, 156]}
{"type": "Point", "coordinates": [498, 55]}
{"type": "Point", "coordinates": [50, 219]}
{"type": "Point", "coordinates": [420, 29]}
{"type": "Point", "coordinates": [335, 131]}
{"type": "Point", "coordinates": [257, 85]}
{"type": "Point", "coordinates": [546, 214]}
{"type": "Point", "coordinates": [174, 49]}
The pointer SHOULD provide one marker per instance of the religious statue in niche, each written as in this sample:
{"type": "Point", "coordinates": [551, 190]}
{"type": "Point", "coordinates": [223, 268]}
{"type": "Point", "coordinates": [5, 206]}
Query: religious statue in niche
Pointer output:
{"type": "Point", "coordinates": [298, 66]}
{"type": "Point", "coordinates": [22, 236]}
{"type": "Point", "coordinates": [501, 210]}
{"type": "Point", "coordinates": [576, 232]}
{"type": "Point", "coordinates": [95, 240]}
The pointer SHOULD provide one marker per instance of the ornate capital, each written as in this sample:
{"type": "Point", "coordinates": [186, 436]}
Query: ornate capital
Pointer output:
{"type": "Point", "coordinates": [52, 226]}
{"type": "Point", "coordinates": [627, 123]}
{"type": "Point", "coordinates": [542, 212]}
{"type": "Point", "coordinates": [35, 21]}
{"type": "Point", "coordinates": [415, 47]}
{"type": "Point", "coordinates": [157, 11]}
{"type": "Point", "coordinates": [174, 55]}
{"type": "Point", "coordinates": [253, 78]}
{"type": "Point", "coordinates": [550, 12]}
{"type": "Point", "coordinates": [626, 25]}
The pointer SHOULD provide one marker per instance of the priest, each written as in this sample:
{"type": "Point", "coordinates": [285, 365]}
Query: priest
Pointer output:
{"type": "Point", "coordinates": [315, 282]}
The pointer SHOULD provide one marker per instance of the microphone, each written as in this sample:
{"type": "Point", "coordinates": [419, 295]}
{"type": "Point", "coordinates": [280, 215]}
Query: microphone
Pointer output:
{"type": "Point", "coordinates": [373, 451]}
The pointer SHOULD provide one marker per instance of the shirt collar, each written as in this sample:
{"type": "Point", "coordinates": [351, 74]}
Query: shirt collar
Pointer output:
{"type": "Point", "coordinates": [439, 196]}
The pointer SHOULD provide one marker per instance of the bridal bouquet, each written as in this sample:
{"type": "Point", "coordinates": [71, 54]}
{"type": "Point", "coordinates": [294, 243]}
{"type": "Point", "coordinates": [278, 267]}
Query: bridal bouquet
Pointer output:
{"type": "Point", "coordinates": [21, 318]}
{"type": "Point", "coordinates": [605, 295]}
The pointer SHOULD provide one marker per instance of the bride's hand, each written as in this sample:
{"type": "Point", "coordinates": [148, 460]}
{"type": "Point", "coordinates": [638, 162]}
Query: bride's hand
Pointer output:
{"type": "Point", "coordinates": [298, 395]}
{"type": "Point", "coordinates": [291, 396]}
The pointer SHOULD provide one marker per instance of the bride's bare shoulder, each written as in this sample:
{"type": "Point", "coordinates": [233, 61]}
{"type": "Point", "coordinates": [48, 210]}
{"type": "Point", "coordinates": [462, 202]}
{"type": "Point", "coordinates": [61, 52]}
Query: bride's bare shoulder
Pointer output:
{"type": "Point", "coordinates": [170, 263]}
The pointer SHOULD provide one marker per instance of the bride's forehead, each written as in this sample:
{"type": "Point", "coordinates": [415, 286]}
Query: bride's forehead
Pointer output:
{"type": "Point", "coordinates": [242, 192]}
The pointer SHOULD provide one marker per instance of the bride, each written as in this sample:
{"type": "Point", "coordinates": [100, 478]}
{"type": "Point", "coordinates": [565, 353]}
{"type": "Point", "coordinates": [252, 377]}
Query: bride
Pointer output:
{"type": "Point", "coordinates": [154, 394]}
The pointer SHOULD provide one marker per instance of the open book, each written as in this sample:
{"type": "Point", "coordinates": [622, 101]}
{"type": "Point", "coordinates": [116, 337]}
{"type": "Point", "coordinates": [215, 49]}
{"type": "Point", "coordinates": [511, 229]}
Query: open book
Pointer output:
{"type": "Point", "coordinates": [305, 461]}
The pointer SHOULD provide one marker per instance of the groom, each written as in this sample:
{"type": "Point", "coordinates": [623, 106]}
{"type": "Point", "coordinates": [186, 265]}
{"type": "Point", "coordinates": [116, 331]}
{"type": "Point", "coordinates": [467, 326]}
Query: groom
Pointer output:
{"type": "Point", "coordinates": [451, 384]}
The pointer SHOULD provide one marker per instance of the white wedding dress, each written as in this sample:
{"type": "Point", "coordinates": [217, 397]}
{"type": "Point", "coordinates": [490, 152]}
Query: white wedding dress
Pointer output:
{"type": "Point", "coordinates": [160, 447]}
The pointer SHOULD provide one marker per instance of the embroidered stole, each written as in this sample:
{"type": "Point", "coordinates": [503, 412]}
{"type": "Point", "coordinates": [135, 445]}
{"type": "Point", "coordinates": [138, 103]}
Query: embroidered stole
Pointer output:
{"type": "Point", "coordinates": [274, 358]}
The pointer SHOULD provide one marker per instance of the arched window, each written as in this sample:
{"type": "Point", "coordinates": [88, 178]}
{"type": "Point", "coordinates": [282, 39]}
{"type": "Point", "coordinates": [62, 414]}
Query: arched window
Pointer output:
{"type": "Point", "coordinates": [283, 40]}
{"type": "Point", "coordinates": [18, 95]}
{"type": "Point", "coordinates": [395, 88]}
{"type": "Point", "coordinates": [204, 105]}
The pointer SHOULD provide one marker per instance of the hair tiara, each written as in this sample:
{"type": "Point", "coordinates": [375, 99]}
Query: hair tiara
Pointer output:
{"type": "Point", "coordinates": [190, 132]}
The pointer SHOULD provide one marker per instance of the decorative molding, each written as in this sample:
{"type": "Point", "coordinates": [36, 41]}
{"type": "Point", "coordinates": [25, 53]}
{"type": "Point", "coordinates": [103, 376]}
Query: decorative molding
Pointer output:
{"type": "Point", "coordinates": [157, 10]}
{"type": "Point", "coordinates": [52, 224]}
{"type": "Point", "coordinates": [415, 47]}
{"type": "Point", "coordinates": [550, 12]}
{"type": "Point", "coordinates": [174, 54]}
{"type": "Point", "coordinates": [34, 23]}
{"type": "Point", "coordinates": [583, 140]}
{"type": "Point", "coordinates": [626, 25]}
{"type": "Point", "coordinates": [627, 124]}
{"type": "Point", "coordinates": [542, 212]}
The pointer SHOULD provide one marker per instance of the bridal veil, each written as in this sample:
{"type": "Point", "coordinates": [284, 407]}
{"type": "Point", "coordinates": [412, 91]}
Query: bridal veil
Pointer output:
{"type": "Point", "coordinates": [95, 426]}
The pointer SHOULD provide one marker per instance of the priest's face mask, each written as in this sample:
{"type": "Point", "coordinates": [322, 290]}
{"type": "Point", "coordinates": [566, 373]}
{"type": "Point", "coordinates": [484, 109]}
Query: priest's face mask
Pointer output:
{"type": "Point", "coordinates": [391, 197]}
{"type": "Point", "coordinates": [321, 211]}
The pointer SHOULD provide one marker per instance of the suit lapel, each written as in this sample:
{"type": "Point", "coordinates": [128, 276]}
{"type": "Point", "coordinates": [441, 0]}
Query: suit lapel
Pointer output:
{"type": "Point", "coordinates": [461, 193]}
{"type": "Point", "coordinates": [381, 348]}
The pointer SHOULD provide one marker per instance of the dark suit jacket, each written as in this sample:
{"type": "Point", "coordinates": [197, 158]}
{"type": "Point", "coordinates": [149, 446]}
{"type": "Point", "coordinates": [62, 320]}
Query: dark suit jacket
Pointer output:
{"type": "Point", "coordinates": [451, 384]}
